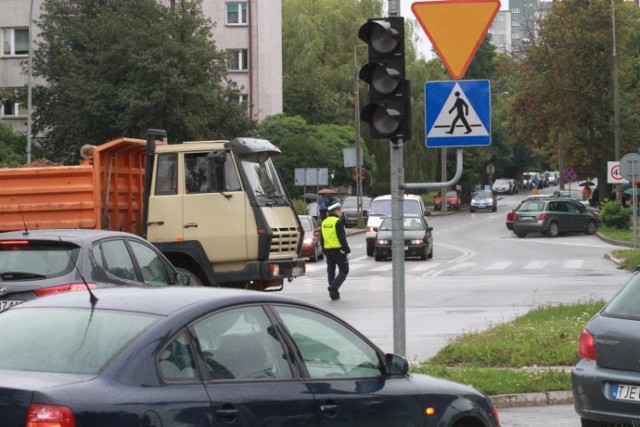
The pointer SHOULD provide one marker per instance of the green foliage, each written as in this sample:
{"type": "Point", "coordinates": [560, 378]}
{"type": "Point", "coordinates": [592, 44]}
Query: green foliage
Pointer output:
{"type": "Point", "coordinates": [309, 146]}
{"type": "Point", "coordinates": [118, 67]}
{"type": "Point", "coordinates": [615, 215]}
{"type": "Point", "coordinates": [300, 206]}
{"type": "Point", "coordinates": [12, 147]}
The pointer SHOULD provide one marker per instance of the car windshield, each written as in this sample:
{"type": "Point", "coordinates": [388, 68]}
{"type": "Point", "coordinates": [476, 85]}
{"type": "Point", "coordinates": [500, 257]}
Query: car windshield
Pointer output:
{"type": "Point", "coordinates": [501, 182]}
{"type": "Point", "coordinates": [482, 195]}
{"type": "Point", "coordinates": [383, 207]}
{"type": "Point", "coordinates": [350, 203]}
{"type": "Point", "coordinates": [407, 224]}
{"type": "Point", "coordinates": [264, 180]}
{"type": "Point", "coordinates": [22, 259]}
{"type": "Point", "coordinates": [78, 341]}
{"type": "Point", "coordinates": [531, 207]}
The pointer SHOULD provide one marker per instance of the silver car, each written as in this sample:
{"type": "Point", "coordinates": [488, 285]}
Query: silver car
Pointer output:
{"type": "Point", "coordinates": [606, 380]}
{"type": "Point", "coordinates": [483, 199]}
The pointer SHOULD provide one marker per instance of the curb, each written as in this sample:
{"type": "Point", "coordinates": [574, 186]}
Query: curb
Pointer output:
{"type": "Point", "coordinates": [532, 399]}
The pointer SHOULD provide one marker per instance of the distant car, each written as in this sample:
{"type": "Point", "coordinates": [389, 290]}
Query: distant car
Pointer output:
{"type": "Point", "coordinates": [418, 238]}
{"type": "Point", "coordinates": [503, 186]}
{"type": "Point", "coordinates": [452, 200]}
{"type": "Point", "coordinates": [483, 200]}
{"type": "Point", "coordinates": [200, 356]}
{"type": "Point", "coordinates": [41, 262]}
{"type": "Point", "coordinates": [511, 215]}
{"type": "Point", "coordinates": [606, 379]}
{"type": "Point", "coordinates": [553, 216]}
{"type": "Point", "coordinates": [552, 176]}
{"type": "Point", "coordinates": [515, 185]}
{"type": "Point", "coordinates": [381, 208]}
{"type": "Point", "coordinates": [311, 245]}
{"type": "Point", "coordinates": [349, 210]}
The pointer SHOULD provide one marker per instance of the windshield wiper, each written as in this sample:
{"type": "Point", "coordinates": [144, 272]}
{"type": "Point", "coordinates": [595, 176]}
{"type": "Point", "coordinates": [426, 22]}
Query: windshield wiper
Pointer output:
{"type": "Point", "coordinates": [20, 275]}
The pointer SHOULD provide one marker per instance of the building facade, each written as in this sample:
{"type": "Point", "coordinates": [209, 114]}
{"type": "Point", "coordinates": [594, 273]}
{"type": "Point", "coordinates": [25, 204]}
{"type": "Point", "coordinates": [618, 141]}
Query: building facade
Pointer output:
{"type": "Point", "coordinates": [250, 31]}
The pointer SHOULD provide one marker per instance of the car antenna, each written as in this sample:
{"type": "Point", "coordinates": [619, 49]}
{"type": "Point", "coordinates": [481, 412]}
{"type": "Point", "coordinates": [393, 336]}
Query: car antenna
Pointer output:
{"type": "Point", "coordinates": [92, 298]}
{"type": "Point", "coordinates": [26, 230]}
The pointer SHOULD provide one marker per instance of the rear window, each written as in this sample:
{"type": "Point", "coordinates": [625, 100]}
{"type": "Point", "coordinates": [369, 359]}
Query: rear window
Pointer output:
{"type": "Point", "coordinates": [383, 207]}
{"type": "Point", "coordinates": [531, 207]}
{"type": "Point", "coordinates": [626, 304]}
{"type": "Point", "coordinates": [20, 259]}
{"type": "Point", "coordinates": [78, 341]}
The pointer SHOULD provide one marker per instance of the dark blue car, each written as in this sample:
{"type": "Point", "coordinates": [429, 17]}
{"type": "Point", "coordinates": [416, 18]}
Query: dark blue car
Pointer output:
{"type": "Point", "coordinates": [209, 357]}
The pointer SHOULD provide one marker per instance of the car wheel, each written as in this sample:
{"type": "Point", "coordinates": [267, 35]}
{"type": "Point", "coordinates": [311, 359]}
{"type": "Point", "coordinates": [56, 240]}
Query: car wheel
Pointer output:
{"type": "Point", "coordinates": [472, 210]}
{"type": "Point", "coordinates": [590, 423]}
{"type": "Point", "coordinates": [314, 258]}
{"type": "Point", "coordinates": [553, 229]}
{"type": "Point", "coordinates": [430, 253]}
{"type": "Point", "coordinates": [370, 249]}
{"type": "Point", "coordinates": [520, 234]}
{"type": "Point", "coordinates": [379, 257]}
{"type": "Point", "coordinates": [425, 254]}
{"type": "Point", "coordinates": [591, 227]}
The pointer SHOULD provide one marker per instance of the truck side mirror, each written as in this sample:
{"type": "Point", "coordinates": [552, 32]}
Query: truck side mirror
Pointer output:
{"type": "Point", "coordinates": [215, 170]}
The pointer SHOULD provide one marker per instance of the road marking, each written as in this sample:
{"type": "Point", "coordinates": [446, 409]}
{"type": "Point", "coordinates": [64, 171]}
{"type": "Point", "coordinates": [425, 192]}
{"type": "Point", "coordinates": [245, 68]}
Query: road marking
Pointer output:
{"type": "Point", "coordinates": [499, 265]}
{"type": "Point", "coordinates": [572, 263]}
{"type": "Point", "coordinates": [424, 267]}
{"type": "Point", "coordinates": [535, 265]}
{"type": "Point", "coordinates": [386, 267]}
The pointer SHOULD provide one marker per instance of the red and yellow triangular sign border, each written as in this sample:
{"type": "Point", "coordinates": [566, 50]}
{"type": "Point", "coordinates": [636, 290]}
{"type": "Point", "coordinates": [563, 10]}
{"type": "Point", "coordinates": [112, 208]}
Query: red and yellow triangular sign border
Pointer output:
{"type": "Point", "coordinates": [456, 29]}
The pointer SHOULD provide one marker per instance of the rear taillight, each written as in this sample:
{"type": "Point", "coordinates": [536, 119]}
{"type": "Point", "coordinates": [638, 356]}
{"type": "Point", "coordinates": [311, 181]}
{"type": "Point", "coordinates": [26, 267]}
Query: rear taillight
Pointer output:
{"type": "Point", "coordinates": [65, 288]}
{"type": "Point", "coordinates": [587, 348]}
{"type": "Point", "coordinates": [13, 242]}
{"type": "Point", "coordinates": [542, 216]}
{"type": "Point", "coordinates": [274, 270]}
{"type": "Point", "coordinates": [50, 416]}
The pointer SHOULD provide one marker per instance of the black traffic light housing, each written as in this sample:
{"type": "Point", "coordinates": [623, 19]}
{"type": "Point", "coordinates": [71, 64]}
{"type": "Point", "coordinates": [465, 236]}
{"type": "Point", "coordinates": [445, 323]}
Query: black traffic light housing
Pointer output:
{"type": "Point", "coordinates": [388, 111]}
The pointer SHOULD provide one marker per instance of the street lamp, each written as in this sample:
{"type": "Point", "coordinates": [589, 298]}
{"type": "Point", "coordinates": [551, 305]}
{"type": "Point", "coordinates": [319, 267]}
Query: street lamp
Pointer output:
{"type": "Point", "coordinates": [30, 84]}
{"type": "Point", "coordinates": [616, 103]}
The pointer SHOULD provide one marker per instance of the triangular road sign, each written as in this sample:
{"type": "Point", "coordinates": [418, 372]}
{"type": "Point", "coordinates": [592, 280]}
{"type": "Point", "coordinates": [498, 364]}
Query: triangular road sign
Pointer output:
{"type": "Point", "coordinates": [456, 28]}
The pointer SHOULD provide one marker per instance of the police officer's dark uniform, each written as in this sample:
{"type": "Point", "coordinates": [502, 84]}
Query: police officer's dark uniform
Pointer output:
{"type": "Point", "coordinates": [335, 248]}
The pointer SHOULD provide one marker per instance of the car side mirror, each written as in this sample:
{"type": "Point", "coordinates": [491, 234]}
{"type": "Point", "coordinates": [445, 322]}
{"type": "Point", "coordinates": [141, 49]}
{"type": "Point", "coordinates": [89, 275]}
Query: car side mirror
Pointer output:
{"type": "Point", "coordinates": [183, 279]}
{"type": "Point", "coordinates": [395, 366]}
{"type": "Point", "coordinates": [429, 228]}
{"type": "Point", "coordinates": [365, 213]}
{"type": "Point", "coordinates": [427, 213]}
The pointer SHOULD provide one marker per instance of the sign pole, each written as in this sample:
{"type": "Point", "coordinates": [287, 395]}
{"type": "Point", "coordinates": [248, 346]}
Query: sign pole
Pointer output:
{"type": "Point", "coordinates": [397, 247]}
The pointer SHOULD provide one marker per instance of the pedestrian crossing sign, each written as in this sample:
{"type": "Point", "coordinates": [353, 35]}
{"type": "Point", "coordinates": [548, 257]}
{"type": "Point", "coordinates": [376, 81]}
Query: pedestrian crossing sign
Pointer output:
{"type": "Point", "coordinates": [458, 113]}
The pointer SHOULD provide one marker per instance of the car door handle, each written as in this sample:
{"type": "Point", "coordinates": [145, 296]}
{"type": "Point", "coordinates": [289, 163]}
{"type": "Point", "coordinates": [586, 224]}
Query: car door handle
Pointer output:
{"type": "Point", "coordinates": [329, 410]}
{"type": "Point", "coordinates": [155, 223]}
{"type": "Point", "coordinates": [191, 225]}
{"type": "Point", "coordinates": [229, 415]}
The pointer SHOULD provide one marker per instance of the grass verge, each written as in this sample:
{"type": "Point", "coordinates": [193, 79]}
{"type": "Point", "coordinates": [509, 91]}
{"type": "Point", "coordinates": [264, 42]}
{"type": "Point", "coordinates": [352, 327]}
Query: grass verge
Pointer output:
{"type": "Point", "coordinates": [517, 356]}
{"type": "Point", "coordinates": [630, 257]}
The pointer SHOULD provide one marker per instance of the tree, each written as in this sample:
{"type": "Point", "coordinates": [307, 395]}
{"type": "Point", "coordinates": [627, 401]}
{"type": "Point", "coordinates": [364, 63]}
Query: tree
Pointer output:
{"type": "Point", "coordinates": [567, 85]}
{"type": "Point", "coordinates": [12, 147]}
{"type": "Point", "coordinates": [310, 146]}
{"type": "Point", "coordinates": [118, 67]}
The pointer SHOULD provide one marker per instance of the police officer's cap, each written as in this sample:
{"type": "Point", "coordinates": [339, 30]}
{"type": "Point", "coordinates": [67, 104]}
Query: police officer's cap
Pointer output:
{"type": "Point", "coordinates": [333, 207]}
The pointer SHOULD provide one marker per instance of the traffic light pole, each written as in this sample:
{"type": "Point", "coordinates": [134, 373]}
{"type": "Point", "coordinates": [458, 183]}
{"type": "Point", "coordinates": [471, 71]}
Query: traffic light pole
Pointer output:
{"type": "Point", "coordinates": [397, 247]}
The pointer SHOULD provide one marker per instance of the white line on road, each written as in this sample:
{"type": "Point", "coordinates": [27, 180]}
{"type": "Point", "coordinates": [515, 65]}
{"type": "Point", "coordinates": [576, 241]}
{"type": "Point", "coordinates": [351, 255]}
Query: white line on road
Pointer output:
{"type": "Point", "coordinates": [499, 265]}
{"type": "Point", "coordinates": [535, 265]}
{"type": "Point", "coordinates": [572, 263]}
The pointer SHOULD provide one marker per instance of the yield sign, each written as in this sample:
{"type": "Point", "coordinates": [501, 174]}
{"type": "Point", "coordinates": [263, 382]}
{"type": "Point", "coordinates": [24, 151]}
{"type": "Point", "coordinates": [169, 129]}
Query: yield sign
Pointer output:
{"type": "Point", "coordinates": [456, 29]}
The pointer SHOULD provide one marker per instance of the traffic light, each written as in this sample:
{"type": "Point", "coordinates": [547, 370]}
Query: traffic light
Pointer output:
{"type": "Point", "coordinates": [388, 111]}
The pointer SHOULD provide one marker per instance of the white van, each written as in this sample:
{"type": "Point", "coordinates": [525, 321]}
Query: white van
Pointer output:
{"type": "Point", "coordinates": [381, 208]}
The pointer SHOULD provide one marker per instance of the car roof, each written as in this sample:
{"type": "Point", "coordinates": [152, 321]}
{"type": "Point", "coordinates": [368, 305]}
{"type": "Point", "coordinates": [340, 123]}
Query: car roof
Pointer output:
{"type": "Point", "coordinates": [406, 196]}
{"type": "Point", "coordinates": [65, 233]}
{"type": "Point", "coordinates": [160, 301]}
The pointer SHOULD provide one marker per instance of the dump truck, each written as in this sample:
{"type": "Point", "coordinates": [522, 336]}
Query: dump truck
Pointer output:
{"type": "Point", "coordinates": [217, 209]}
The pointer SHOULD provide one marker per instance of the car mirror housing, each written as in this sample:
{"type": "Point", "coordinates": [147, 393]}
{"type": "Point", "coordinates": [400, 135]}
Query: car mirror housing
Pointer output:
{"type": "Point", "coordinates": [396, 365]}
{"type": "Point", "coordinates": [183, 279]}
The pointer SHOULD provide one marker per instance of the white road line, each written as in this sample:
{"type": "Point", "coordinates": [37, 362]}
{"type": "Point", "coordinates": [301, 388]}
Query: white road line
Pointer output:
{"type": "Point", "coordinates": [535, 265]}
{"type": "Point", "coordinates": [424, 267]}
{"type": "Point", "coordinates": [385, 267]}
{"type": "Point", "coordinates": [572, 263]}
{"type": "Point", "coordinates": [499, 265]}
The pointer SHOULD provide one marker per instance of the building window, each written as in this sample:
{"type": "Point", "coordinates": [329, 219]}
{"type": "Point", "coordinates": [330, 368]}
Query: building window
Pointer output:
{"type": "Point", "coordinates": [515, 10]}
{"type": "Point", "coordinates": [237, 13]}
{"type": "Point", "coordinates": [15, 41]}
{"type": "Point", "coordinates": [238, 60]}
{"type": "Point", "coordinates": [515, 23]}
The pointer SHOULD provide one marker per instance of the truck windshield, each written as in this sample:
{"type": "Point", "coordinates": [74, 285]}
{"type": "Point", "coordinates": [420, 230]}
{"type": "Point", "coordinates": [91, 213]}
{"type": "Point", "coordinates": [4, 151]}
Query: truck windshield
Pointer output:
{"type": "Point", "coordinates": [264, 181]}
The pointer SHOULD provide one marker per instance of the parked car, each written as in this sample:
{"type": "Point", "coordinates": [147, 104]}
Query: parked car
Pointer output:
{"type": "Point", "coordinates": [381, 208]}
{"type": "Point", "coordinates": [311, 245]}
{"type": "Point", "coordinates": [606, 379]}
{"type": "Point", "coordinates": [483, 199]}
{"type": "Point", "coordinates": [511, 215]}
{"type": "Point", "coordinates": [40, 262]}
{"type": "Point", "coordinates": [515, 185]}
{"type": "Point", "coordinates": [452, 200]}
{"type": "Point", "coordinates": [350, 210]}
{"type": "Point", "coordinates": [553, 216]}
{"type": "Point", "coordinates": [202, 356]}
{"type": "Point", "coordinates": [552, 177]}
{"type": "Point", "coordinates": [527, 177]}
{"type": "Point", "coordinates": [418, 238]}
{"type": "Point", "coordinates": [503, 186]}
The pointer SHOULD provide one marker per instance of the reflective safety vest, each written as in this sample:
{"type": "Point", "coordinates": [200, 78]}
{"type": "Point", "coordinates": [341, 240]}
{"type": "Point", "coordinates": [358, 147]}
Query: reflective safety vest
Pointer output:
{"type": "Point", "coordinates": [329, 234]}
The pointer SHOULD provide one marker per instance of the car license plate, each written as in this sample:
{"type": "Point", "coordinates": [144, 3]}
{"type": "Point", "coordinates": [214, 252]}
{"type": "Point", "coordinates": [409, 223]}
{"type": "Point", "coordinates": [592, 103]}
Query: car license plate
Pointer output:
{"type": "Point", "coordinates": [296, 271]}
{"type": "Point", "coordinates": [6, 304]}
{"type": "Point", "coordinates": [527, 218]}
{"type": "Point", "coordinates": [626, 392]}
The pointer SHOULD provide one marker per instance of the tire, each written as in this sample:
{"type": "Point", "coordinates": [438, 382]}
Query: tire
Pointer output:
{"type": "Point", "coordinates": [430, 254]}
{"type": "Point", "coordinates": [314, 258]}
{"type": "Point", "coordinates": [370, 249]}
{"type": "Point", "coordinates": [472, 210]}
{"type": "Point", "coordinates": [590, 423]}
{"type": "Point", "coordinates": [424, 255]}
{"type": "Point", "coordinates": [591, 227]}
{"type": "Point", "coordinates": [520, 234]}
{"type": "Point", "coordinates": [553, 229]}
{"type": "Point", "coordinates": [379, 257]}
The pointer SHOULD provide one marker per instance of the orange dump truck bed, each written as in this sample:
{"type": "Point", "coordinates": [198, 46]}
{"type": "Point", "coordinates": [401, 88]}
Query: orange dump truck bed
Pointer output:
{"type": "Point", "coordinates": [105, 195]}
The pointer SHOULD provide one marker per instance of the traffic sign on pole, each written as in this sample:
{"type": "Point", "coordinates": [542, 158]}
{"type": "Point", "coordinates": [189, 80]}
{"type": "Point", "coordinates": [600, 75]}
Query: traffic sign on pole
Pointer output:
{"type": "Point", "coordinates": [569, 174]}
{"type": "Point", "coordinates": [456, 29]}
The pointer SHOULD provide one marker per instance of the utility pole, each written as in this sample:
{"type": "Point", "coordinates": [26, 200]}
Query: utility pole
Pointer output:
{"type": "Point", "coordinates": [616, 103]}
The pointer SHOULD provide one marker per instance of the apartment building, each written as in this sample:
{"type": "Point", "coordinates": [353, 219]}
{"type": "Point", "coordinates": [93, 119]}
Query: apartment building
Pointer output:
{"type": "Point", "coordinates": [250, 31]}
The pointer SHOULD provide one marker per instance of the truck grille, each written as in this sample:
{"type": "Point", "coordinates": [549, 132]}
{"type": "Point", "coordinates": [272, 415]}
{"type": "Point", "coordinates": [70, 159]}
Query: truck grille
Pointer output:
{"type": "Point", "coordinates": [285, 240]}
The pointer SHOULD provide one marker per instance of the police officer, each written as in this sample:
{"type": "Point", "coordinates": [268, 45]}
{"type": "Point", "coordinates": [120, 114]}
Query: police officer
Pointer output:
{"type": "Point", "coordinates": [335, 249]}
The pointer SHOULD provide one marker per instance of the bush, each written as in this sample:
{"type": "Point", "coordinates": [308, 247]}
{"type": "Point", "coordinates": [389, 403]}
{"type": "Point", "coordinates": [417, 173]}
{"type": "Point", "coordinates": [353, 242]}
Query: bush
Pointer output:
{"type": "Point", "coordinates": [300, 207]}
{"type": "Point", "coordinates": [615, 215]}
